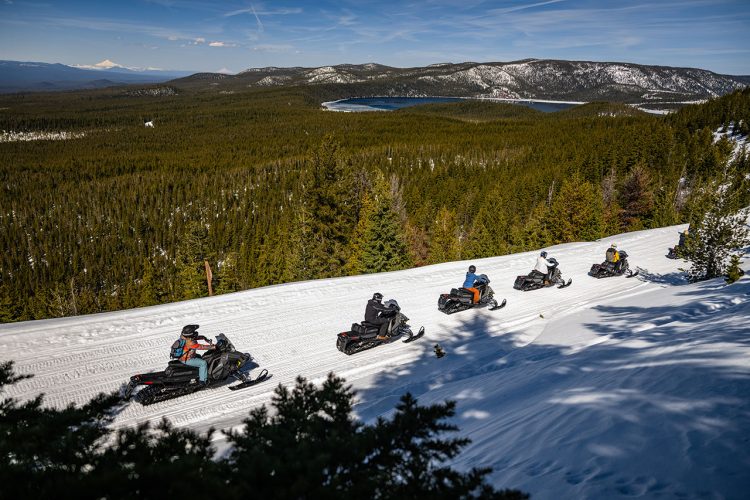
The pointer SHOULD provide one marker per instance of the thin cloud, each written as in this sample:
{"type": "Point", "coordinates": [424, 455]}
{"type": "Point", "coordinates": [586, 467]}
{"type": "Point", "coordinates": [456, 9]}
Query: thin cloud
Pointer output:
{"type": "Point", "coordinates": [524, 7]}
{"type": "Point", "coordinates": [222, 44]}
{"type": "Point", "coordinates": [251, 10]}
{"type": "Point", "coordinates": [260, 24]}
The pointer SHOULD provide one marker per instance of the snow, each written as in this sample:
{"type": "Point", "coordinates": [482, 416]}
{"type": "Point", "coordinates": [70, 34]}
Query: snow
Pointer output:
{"type": "Point", "coordinates": [11, 136]}
{"type": "Point", "coordinates": [731, 133]}
{"type": "Point", "coordinates": [612, 388]}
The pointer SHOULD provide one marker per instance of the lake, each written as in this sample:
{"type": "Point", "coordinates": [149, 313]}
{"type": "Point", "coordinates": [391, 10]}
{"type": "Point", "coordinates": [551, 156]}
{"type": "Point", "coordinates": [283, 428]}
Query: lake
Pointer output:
{"type": "Point", "coordinates": [392, 103]}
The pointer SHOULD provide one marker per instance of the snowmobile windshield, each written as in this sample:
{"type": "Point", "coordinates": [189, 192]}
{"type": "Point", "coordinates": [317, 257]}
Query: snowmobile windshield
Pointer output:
{"type": "Point", "coordinates": [391, 303]}
{"type": "Point", "coordinates": [222, 341]}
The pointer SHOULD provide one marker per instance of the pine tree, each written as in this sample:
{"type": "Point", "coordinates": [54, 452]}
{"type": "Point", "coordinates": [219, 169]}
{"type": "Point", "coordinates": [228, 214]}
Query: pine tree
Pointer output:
{"type": "Point", "coordinates": [444, 242]}
{"type": "Point", "coordinates": [665, 212]}
{"type": "Point", "coordinates": [379, 243]}
{"type": "Point", "coordinates": [490, 231]}
{"type": "Point", "coordinates": [534, 231]}
{"type": "Point", "coordinates": [734, 272]}
{"type": "Point", "coordinates": [229, 275]}
{"type": "Point", "coordinates": [361, 236]}
{"type": "Point", "coordinates": [148, 289]}
{"type": "Point", "coordinates": [718, 228]}
{"type": "Point", "coordinates": [328, 202]}
{"type": "Point", "coordinates": [191, 277]}
{"type": "Point", "coordinates": [577, 212]}
{"type": "Point", "coordinates": [637, 198]}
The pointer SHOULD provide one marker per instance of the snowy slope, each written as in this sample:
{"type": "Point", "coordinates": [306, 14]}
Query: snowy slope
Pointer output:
{"type": "Point", "coordinates": [612, 388]}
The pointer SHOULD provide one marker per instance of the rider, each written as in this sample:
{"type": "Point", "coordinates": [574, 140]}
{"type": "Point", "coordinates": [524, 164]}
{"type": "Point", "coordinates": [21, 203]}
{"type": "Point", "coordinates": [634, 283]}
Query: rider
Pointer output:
{"type": "Point", "coordinates": [612, 256]}
{"type": "Point", "coordinates": [542, 266]}
{"type": "Point", "coordinates": [471, 277]}
{"type": "Point", "coordinates": [378, 314]}
{"type": "Point", "coordinates": [190, 336]}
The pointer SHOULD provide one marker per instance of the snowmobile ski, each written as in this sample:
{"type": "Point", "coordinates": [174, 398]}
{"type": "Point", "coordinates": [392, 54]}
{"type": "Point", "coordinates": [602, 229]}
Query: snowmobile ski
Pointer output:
{"type": "Point", "coordinates": [632, 274]}
{"type": "Point", "coordinates": [412, 338]}
{"type": "Point", "coordinates": [499, 306]}
{"type": "Point", "coordinates": [565, 285]}
{"type": "Point", "coordinates": [262, 377]}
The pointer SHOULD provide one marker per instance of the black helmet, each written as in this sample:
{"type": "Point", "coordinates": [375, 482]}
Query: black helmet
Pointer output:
{"type": "Point", "coordinates": [377, 296]}
{"type": "Point", "coordinates": [190, 331]}
{"type": "Point", "coordinates": [543, 254]}
{"type": "Point", "coordinates": [472, 268]}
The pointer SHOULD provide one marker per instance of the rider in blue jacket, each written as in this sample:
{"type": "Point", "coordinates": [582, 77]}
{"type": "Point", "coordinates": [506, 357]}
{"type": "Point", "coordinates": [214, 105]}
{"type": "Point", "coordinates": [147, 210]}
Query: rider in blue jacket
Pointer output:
{"type": "Point", "coordinates": [471, 277]}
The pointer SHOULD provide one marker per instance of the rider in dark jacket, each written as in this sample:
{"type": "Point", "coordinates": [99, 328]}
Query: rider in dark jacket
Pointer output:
{"type": "Point", "coordinates": [378, 314]}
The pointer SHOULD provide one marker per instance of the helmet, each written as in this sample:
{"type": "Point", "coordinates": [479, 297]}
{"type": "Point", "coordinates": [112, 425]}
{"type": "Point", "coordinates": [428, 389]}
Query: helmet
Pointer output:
{"type": "Point", "coordinates": [613, 245]}
{"type": "Point", "coordinates": [377, 296]}
{"type": "Point", "coordinates": [472, 269]}
{"type": "Point", "coordinates": [190, 331]}
{"type": "Point", "coordinates": [543, 254]}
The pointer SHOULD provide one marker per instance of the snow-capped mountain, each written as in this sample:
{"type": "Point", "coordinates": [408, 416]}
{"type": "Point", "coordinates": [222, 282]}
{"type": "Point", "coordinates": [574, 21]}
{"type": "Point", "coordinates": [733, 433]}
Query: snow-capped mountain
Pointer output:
{"type": "Point", "coordinates": [530, 79]}
{"type": "Point", "coordinates": [612, 388]}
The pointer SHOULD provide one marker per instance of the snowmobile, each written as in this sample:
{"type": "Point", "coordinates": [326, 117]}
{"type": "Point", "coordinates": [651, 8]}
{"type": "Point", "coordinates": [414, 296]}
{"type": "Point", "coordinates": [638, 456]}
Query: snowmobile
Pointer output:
{"type": "Point", "coordinates": [461, 299]}
{"type": "Point", "coordinates": [675, 251]}
{"type": "Point", "coordinates": [364, 335]}
{"type": "Point", "coordinates": [179, 379]}
{"type": "Point", "coordinates": [607, 269]}
{"type": "Point", "coordinates": [535, 281]}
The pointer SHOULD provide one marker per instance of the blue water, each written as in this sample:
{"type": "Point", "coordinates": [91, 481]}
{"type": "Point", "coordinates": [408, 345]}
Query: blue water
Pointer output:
{"type": "Point", "coordinates": [392, 103]}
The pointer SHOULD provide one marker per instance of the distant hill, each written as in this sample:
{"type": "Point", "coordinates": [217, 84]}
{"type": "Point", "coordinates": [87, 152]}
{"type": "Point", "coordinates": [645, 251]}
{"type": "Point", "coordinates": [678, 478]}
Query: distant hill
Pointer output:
{"type": "Point", "coordinates": [16, 76]}
{"type": "Point", "coordinates": [529, 79]}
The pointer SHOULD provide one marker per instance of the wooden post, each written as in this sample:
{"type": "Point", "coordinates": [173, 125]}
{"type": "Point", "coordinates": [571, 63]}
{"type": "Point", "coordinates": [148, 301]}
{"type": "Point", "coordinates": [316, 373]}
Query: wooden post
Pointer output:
{"type": "Point", "coordinates": [209, 276]}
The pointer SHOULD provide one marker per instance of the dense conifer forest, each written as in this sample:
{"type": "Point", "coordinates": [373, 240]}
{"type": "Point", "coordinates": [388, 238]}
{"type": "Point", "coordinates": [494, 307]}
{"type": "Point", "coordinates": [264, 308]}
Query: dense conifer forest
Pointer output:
{"type": "Point", "coordinates": [267, 188]}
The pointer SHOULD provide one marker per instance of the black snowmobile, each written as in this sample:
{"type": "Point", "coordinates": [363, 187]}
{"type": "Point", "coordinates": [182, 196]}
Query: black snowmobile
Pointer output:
{"type": "Point", "coordinates": [461, 299]}
{"type": "Point", "coordinates": [536, 280]}
{"type": "Point", "coordinates": [675, 252]}
{"type": "Point", "coordinates": [607, 269]}
{"type": "Point", "coordinates": [179, 379]}
{"type": "Point", "coordinates": [363, 335]}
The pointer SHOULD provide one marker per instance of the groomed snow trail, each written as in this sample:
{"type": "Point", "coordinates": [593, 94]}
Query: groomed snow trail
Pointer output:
{"type": "Point", "coordinates": [608, 388]}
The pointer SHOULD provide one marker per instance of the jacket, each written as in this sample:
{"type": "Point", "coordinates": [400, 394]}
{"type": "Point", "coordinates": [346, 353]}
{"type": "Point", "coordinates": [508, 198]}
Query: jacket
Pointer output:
{"type": "Point", "coordinates": [542, 264]}
{"type": "Point", "coordinates": [373, 310]}
{"type": "Point", "coordinates": [469, 281]}
{"type": "Point", "coordinates": [612, 255]}
{"type": "Point", "coordinates": [191, 346]}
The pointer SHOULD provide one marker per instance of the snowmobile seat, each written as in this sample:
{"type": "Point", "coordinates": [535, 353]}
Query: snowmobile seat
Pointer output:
{"type": "Point", "coordinates": [520, 281]}
{"type": "Point", "coordinates": [365, 328]}
{"type": "Point", "coordinates": [176, 366]}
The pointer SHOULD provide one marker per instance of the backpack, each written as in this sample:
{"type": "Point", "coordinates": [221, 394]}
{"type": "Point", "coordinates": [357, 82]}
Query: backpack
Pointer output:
{"type": "Point", "coordinates": [177, 349]}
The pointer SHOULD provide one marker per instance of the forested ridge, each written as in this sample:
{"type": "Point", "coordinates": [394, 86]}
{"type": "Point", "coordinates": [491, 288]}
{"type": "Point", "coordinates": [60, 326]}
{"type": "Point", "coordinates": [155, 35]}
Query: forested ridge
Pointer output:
{"type": "Point", "coordinates": [268, 188]}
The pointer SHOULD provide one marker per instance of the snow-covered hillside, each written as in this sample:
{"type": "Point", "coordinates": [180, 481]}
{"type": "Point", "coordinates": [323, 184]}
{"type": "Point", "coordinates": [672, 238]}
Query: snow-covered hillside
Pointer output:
{"type": "Point", "coordinates": [613, 388]}
{"type": "Point", "coordinates": [529, 79]}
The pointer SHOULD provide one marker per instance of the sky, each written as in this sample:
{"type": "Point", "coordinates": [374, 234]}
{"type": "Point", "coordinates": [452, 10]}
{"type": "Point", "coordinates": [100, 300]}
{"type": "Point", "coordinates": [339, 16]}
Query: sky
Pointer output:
{"type": "Point", "coordinates": [231, 36]}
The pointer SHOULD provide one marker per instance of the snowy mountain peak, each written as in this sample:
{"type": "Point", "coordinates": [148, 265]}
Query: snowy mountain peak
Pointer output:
{"type": "Point", "coordinates": [107, 64]}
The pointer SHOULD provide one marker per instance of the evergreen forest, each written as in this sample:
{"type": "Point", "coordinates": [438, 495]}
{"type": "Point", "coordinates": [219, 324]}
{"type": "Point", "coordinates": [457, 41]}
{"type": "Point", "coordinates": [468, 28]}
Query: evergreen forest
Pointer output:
{"type": "Point", "coordinates": [265, 187]}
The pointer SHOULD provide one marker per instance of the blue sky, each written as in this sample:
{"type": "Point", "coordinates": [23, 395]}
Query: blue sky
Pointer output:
{"type": "Point", "coordinates": [235, 35]}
